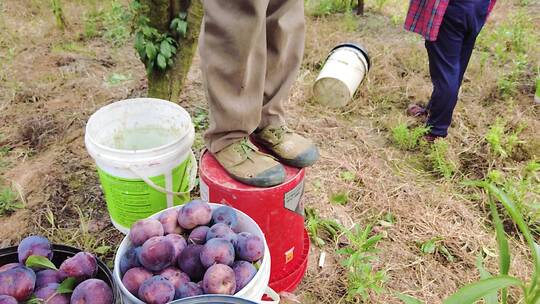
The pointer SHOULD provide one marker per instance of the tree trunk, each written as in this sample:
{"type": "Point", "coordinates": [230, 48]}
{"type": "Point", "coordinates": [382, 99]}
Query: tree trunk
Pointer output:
{"type": "Point", "coordinates": [360, 9]}
{"type": "Point", "coordinates": [168, 84]}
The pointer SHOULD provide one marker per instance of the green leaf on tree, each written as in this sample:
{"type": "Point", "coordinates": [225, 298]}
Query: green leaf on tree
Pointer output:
{"type": "Point", "coordinates": [165, 49]}
{"type": "Point", "coordinates": [151, 51]}
{"type": "Point", "coordinates": [182, 28]}
{"type": "Point", "coordinates": [36, 261]}
{"type": "Point", "coordinates": [161, 61]}
{"type": "Point", "coordinates": [67, 286]}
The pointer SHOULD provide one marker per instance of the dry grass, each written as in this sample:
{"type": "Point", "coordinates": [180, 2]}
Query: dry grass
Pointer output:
{"type": "Point", "coordinates": [61, 77]}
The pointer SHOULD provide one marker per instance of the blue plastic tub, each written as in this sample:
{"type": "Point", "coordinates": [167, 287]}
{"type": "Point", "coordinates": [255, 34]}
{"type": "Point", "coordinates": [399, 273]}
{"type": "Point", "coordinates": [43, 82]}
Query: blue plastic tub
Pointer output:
{"type": "Point", "coordinates": [213, 299]}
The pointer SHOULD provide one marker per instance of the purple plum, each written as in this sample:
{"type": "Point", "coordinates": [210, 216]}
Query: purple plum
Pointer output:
{"type": "Point", "coordinates": [195, 213]}
{"type": "Point", "coordinates": [219, 279]}
{"type": "Point", "coordinates": [9, 266]}
{"type": "Point", "coordinates": [244, 273]}
{"type": "Point", "coordinates": [169, 220]}
{"type": "Point", "coordinates": [81, 266]}
{"type": "Point", "coordinates": [92, 291]}
{"type": "Point", "coordinates": [175, 276]}
{"type": "Point", "coordinates": [49, 295]}
{"type": "Point", "coordinates": [188, 289]}
{"type": "Point", "coordinates": [217, 251]}
{"type": "Point", "coordinates": [198, 235]}
{"type": "Point", "coordinates": [156, 290]}
{"type": "Point", "coordinates": [18, 282]}
{"type": "Point", "coordinates": [223, 231]}
{"type": "Point", "coordinates": [46, 277]}
{"type": "Point", "coordinates": [134, 278]}
{"type": "Point", "coordinates": [190, 261]}
{"type": "Point", "coordinates": [7, 300]}
{"type": "Point", "coordinates": [178, 242]}
{"type": "Point", "coordinates": [225, 215]}
{"type": "Point", "coordinates": [34, 245]}
{"type": "Point", "coordinates": [130, 259]}
{"type": "Point", "coordinates": [157, 253]}
{"type": "Point", "coordinates": [249, 247]}
{"type": "Point", "coordinates": [142, 230]}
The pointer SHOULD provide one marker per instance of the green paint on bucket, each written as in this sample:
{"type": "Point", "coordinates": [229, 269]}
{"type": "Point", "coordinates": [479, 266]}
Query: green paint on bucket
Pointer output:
{"type": "Point", "coordinates": [142, 150]}
{"type": "Point", "coordinates": [129, 199]}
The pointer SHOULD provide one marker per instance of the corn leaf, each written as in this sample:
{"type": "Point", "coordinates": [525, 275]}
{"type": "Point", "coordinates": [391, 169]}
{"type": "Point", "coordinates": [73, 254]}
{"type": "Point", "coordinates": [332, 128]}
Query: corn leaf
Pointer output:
{"type": "Point", "coordinates": [502, 242]}
{"type": "Point", "coordinates": [515, 214]}
{"type": "Point", "coordinates": [475, 291]}
{"type": "Point", "coordinates": [408, 299]}
{"type": "Point", "coordinates": [484, 274]}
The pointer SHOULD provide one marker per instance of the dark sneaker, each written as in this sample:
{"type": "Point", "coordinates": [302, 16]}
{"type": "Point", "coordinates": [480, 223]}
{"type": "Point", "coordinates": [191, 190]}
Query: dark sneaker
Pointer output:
{"type": "Point", "coordinates": [416, 110]}
{"type": "Point", "coordinates": [245, 163]}
{"type": "Point", "coordinates": [291, 148]}
{"type": "Point", "coordinates": [430, 138]}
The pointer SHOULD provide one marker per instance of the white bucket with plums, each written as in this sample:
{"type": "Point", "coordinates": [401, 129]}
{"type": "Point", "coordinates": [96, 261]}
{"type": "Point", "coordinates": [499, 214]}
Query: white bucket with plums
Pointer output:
{"type": "Point", "coordinates": [254, 290]}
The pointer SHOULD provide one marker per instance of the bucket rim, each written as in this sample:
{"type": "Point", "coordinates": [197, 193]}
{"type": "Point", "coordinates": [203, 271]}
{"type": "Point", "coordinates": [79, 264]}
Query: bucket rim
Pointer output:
{"type": "Point", "coordinates": [92, 140]}
{"type": "Point", "coordinates": [356, 46]}
{"type": "Point", "coordinates": [125, 244]}
{"type": "Point", "coordinates": [214, 299]}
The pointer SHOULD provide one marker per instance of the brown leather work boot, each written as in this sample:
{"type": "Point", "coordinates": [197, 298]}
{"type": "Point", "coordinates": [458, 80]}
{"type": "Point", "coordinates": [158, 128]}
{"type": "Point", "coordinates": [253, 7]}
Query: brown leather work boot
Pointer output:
{"type": "Point", "coordinates": [291, 148]}
{"type": "Point", "coordinates": [245, 163]}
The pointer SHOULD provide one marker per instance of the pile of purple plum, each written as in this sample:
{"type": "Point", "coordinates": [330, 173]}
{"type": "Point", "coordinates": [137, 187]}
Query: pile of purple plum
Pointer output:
{"type": "Point", "coordinates": [35, 277]}
{"type": "Point", "coordinates": [189, 251]}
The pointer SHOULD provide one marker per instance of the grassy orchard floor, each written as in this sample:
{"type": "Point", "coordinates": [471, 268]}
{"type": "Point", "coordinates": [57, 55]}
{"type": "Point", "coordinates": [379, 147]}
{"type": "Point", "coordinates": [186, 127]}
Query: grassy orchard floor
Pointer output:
{"type": "Point", "coordinates": [50, 82]}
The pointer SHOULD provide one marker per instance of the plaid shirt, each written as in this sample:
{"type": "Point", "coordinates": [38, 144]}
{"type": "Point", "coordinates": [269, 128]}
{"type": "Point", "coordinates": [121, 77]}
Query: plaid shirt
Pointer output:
{"type": "Point", "coordinates": [425, 17]}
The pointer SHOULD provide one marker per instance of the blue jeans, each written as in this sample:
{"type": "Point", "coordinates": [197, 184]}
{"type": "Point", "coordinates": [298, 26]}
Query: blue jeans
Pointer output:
{"type": "Point", "coordinates": [449, 56]}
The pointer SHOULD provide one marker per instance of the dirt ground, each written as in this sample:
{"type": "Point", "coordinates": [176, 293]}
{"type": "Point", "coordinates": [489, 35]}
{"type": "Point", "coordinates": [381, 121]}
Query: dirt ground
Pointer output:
{"type": "Point", "coordinates": [52, 81]}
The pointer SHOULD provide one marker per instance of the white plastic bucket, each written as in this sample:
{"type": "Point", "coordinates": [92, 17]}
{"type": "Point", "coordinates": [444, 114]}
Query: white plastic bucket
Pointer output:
{"type": "Point", "coordinates": [142, 149]}
{"type": "Point", "coordinates": [342, 73]}
{"type": "Point", "coordinates": [254, 290]}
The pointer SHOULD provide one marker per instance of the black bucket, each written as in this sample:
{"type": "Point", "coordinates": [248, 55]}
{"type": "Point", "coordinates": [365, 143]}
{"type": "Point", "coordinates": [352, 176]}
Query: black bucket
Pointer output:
{"type": "Point", "coordinates": [61, 253]}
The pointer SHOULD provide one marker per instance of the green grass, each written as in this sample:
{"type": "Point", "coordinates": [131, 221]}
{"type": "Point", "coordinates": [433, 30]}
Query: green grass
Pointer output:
{"type": "Point", "coordinates": [111, 23]}
{"type": "Point", "coordinates": [72, 47]}
{"type": "Point", "coordinates": [407, 139]}
{"type": "Point", "coordinates": [523, 188]}
{"type": "Point", "coordinates": [9, 201]}
{"type": "Point", "coordinates": [439, 159]}
{"type": "Point", "coordinates": [327, 7]}
{"type": "Point", "coordinates": [501, 140]}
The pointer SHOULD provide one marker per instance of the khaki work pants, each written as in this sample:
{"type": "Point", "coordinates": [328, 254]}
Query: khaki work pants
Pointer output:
{"type": "Point", "coordinates": [251, 52]}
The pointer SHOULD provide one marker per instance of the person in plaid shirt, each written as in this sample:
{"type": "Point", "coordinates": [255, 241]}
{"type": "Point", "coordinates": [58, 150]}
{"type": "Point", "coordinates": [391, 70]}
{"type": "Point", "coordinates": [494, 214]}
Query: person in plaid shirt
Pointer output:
{"type": "Point", "coordinates": [450, 28]}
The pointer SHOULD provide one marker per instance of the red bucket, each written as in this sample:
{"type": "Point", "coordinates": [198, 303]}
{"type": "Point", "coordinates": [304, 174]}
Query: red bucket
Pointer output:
{"type": "Point", "coordinates": [278, 210]}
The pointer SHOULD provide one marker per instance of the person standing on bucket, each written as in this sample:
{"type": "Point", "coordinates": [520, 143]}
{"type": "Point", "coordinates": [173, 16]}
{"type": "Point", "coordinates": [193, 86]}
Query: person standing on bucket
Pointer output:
{"type": "Point", "coordinates": [450, 28]}
{"type": "Point", "coordinates": [251, 52]}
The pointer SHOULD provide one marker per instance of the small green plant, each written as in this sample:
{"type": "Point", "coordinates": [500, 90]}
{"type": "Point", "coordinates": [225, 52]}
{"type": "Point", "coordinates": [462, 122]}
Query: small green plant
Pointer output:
{"type": "Point", "coordinates": [440, 160]}
{"type": "Point", "coordinates": [9, 201]}
{"type": "Point", "coordinates": [327, 7]}
{"type": "Point", "coordinates": [508, 84]}
{"type": "Point", "coordinates": [407, 139]}
{"type": "Point", "coordinates": [436, 246]}
{"type": "Point", "coordinates": [500, 141]}
{"type": "Point", "coordinates": [115, 79]}
{"type": "Point", "coordinates": [348, 176]}
{"type": "Point", "coordinates": [319, 229]}
{"type": "Point", "coordinates": [116, 23]}
{"type": "Point", "coordinates": [359, 255]}
{"type": "Point", "coordinates": [58, 12]}
{"type": "Point", "coordinates": [488, 287]}
{"type": "Point", "coordinates": [339, 198]}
